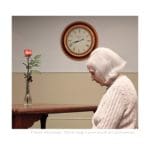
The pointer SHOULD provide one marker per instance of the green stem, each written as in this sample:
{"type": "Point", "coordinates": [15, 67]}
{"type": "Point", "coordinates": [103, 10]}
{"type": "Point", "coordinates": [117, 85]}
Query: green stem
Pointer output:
{"type": "Point", "coordinates": [28, 76]}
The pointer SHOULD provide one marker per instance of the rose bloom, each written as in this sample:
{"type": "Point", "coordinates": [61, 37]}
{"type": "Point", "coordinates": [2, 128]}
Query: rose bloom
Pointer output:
{"type": "Point", "coordinates": [27, 52]}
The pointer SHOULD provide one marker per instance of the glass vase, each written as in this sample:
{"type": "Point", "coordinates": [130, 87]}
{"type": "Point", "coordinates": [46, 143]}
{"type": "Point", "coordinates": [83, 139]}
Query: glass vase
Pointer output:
{"type": "Point", "coordinates": [27, 98]}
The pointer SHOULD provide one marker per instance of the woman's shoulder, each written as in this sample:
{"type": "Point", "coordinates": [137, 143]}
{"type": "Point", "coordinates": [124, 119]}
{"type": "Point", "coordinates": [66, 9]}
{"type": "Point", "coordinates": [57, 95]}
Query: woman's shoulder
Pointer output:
{"type": "Point", "coordinates": [122, 81]}
{"type": "Point", "coordinates": [123, 85]}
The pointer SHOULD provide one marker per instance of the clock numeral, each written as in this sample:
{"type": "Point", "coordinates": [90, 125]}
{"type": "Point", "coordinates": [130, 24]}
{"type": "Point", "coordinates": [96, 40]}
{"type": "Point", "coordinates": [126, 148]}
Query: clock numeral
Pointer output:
{"type": "Point", "coordinates": [74, 49]}
{"type": "Point", "coordinates": [89, 40]}
{"type": "Point", "coordinates": [78, 50]}
{"type": "Point", "coordinates": [84, 50]}
{"type": "Point", "coordinates": [70, 45]}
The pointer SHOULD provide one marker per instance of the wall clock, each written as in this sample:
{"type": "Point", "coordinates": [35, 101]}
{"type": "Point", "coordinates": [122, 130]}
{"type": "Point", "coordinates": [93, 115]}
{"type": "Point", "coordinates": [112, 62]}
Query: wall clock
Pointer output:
{"type": "Point", "coordinates": [79, 39]}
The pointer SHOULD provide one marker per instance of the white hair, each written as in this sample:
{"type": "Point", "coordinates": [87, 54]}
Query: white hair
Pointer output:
{"type": "Point", "coordinates": [106, 63]}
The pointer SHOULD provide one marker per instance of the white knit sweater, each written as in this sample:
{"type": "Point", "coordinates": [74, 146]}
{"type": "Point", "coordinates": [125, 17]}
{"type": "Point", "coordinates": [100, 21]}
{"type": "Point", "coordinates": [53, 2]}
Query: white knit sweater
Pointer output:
{"type": "Point", "coordinates": [118, 106]}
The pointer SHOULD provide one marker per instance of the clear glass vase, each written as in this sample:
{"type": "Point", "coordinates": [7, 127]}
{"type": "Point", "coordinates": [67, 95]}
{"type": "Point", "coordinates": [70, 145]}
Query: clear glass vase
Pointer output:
{"type": "Point", "coordinates": [27, 98]}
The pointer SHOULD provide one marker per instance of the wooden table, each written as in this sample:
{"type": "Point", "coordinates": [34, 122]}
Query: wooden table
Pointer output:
{"type": "Point", "coordinates": [25, 116]}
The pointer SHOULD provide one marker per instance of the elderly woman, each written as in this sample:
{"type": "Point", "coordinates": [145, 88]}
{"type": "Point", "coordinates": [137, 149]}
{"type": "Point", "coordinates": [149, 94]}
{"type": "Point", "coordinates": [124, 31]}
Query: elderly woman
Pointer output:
{"type": "Point", "coordinates": [118, 106]}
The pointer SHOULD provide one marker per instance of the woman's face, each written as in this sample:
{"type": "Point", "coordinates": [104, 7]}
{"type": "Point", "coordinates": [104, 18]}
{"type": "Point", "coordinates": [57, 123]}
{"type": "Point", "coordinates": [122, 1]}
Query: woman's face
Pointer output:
{"type": "Point", "coordinates": [96, 77]}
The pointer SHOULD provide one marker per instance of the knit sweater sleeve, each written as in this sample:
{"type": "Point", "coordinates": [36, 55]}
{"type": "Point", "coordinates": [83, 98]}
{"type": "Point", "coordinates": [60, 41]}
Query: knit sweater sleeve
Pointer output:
{"type": "Point", "coordinates": [110, 110]}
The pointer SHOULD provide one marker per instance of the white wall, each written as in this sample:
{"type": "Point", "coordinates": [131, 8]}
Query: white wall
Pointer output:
{"type": "Point", "coordinates": [42, 34]}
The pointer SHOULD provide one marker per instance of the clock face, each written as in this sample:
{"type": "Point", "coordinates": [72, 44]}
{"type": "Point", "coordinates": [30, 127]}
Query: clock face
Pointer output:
{"type": "Point", "coordinates": [79, 39]}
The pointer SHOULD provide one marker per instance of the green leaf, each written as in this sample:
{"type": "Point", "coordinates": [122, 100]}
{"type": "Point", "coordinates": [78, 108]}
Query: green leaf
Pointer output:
{"type": "Point", "coordinates": [36, 71]}
{"type": "Point", "coordinates": [37, 56]}
{"type": "Point", "coordinates": [25, 75]}
{"type": "Point", "coordinates": [33, 63]}
{"type": "Point", "coordinates": [24, 64]}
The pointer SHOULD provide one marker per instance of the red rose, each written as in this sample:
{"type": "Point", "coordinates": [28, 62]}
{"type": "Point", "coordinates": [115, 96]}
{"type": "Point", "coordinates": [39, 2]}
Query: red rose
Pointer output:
{"type": "Point", "coordinates": [27, 52]}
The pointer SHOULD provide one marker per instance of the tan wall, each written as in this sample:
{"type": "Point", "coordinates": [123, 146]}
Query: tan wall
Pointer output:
{"type": "Point", "coordinates": [62, 88]}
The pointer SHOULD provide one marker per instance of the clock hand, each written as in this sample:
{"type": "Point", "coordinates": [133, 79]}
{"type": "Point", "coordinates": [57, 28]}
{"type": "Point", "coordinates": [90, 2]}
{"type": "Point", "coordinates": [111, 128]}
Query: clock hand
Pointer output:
{"type": "Point", "coordinates": [75, 42]}
{"type": "Point", "coordinates": [81, 39]}
{"type": "Point", "coordinates": [78, 41]}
